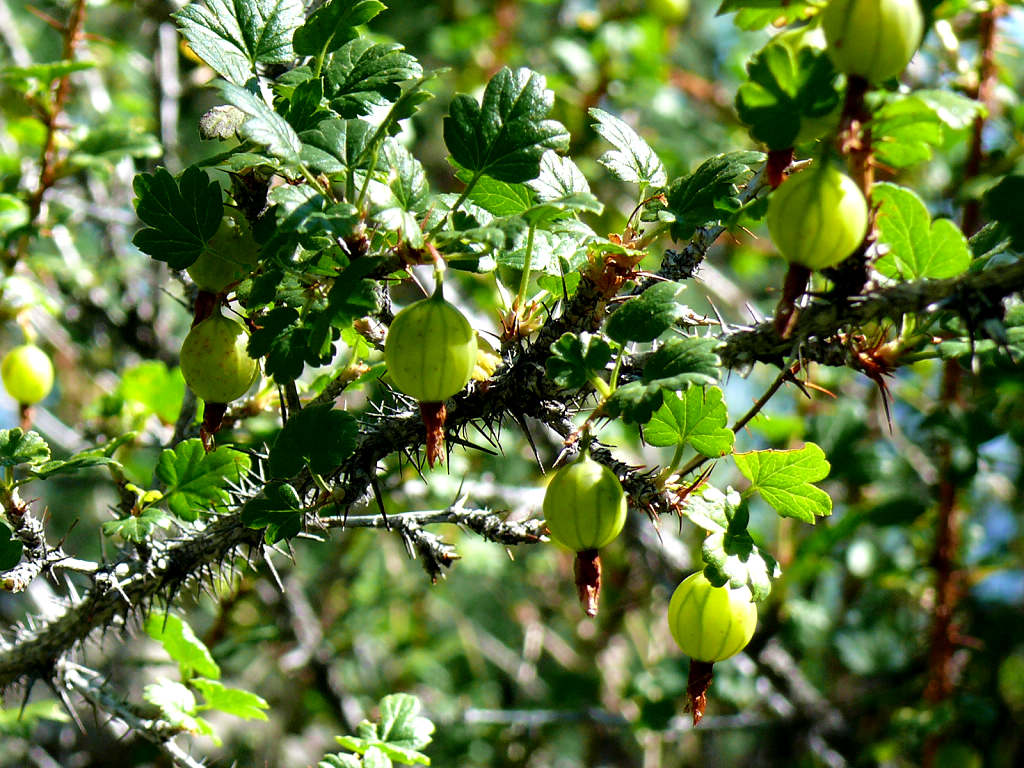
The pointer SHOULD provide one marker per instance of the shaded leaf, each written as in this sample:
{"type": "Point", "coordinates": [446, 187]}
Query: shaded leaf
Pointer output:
{"type": "Point", "coordinates": [233, 701]}
{"type": "Point", "coordinates": [10, 548]}
{"type": "Point", "coordinates": [364, 75]}
{"type": "Point", "coordinates": [332, 25]}
{"type": "Point", "coordinates": [138, 528]}
{"type": "Point", "coordinates": [264, 126]}
{"type": "Point", "coordinates": [317, 436]}
{"type": "Point", "coordinates": [278, 509]}
{"type": "Point", "coordinates": [195, 480]}
{"type": "Point", "coordinates": [180, 215]}
{"type": "Point", "coordinates": [711, 193]}
{"type": "Point", "coordinates": [575, 360]}
{"type": "Point", "coordinates": [647, 316]}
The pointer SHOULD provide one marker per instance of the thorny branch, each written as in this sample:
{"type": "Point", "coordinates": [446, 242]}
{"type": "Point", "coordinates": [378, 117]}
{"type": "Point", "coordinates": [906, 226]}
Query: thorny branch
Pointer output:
{"type": "Point", "coordinates": [519, 390]}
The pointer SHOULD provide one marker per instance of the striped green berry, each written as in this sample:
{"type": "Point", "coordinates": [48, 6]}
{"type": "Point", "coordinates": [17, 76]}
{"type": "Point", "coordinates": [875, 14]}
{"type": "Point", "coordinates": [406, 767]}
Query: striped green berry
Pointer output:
{"type": "Point", "coordinates": [215, 362]}
{"type": "Point", "coordinates": [711, 623]}
{"type": "Point", "coordinates": [817, 217]}
{"type": "Point", "coordinates": [872, 38]}
{"type": "Point", "coordinates": [584, 506]}
{"type": "Point", "coordinates": [431, 350]}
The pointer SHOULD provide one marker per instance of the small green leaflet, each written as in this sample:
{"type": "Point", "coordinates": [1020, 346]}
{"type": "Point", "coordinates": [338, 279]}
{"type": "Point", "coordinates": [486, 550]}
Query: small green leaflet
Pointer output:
{"type": "Point", "coordinates": [711, 193]}
{"type": "Point", "coordinates": [915, 249]}
{"type": "Point", "coordinates": [195, 479]}
{"type": "Point", "coordinates": [560, 178]}
{"type": "Point", "coordinates": [785, 88]}
{"type": "Point", "coordinates": [180, 216]}
{"type": "Point", "coordinates": [10, 548]}
{"type": "Point", "coordinates": [647, 316]}
{"type": "Point", "coordinates": [233, 701]}
{"type": "Point", "coordinates": [264, 126]}
{"type": "Point", "coordinates": [332, 25]}
{"type": "Point", "coordinates": [181, 644]}
{"type": "Point", "coordinates": [177, 704]}
{"type": "Point", "coordinates": [317, 436]}
{"type": "Point", "coordinates": [756, 14]}
{"type": "Point", "coordinates": [13, 213]}
{"type": "Point", "coordinates": [783, 478]}
{"type": "Point", "coordinates": [399, 736]}
{"type": "Point", "coordinates": [232, 37]}
{"type": "Point", "coordinates": [729, 551]}
{"type": "Point", "coordinates": [575, 360]}
{"type": "Point", "coordinates": [139, 527]}
{"type": "Point", "coordinates": [44, 73]}
{"type": "Point", "coordinates": [632, 160]}
{"type": "Point", "coordinates": [698, 418]}
{"type": "Point", "coordinates": [677, 364]}
{"type": "Point", "coordinates": [278, 509]}
{"type": "Point", "coordinates": [20, 447]}
{"type": "Point", "coordinates": [507, 134]}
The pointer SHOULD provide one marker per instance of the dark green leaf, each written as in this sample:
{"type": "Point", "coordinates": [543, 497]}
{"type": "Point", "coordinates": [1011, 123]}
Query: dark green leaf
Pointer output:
{"type": "Point", "coordinates": [787, 87]}
{"type": "Point", "coordinates": [364, 75]}
{"type": "Point", "coordinates": [1002, 203]}
{"type": "Point", "coordinates": [332, 25]}
{"type": "Point", "coordinates": [10, 548]}
{"type": "Point", "coordinates": [711, 193]}
{"type": "Point", "coordinates": [505, 136]}
{"type": "Point", "coordinates": [335, 145]}
{"type": "Point", "coordinates": [647, 316]}
{"type": "Point", "coordinates": [20, 447]}
{"type": "Point", "coordinates": [278, 509]}
{"type": "Point", "coordinates": [575, 360]}
{"type": "Point", "coordinates": [232, 37]}
{"type": "Point", "coordinates": [317, 436]}
{"type": "Point", "coordinates": [195, 479]}
{"type": "Point", "coordinates": [181, 216]}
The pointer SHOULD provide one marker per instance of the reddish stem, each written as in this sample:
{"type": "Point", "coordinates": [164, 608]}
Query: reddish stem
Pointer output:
{"type": "Point", "coordinates": [434, 415]}
{"type": "Point", "coordinates": [775, 169]}
{"type": "Point", "coordinates": [697, 685]}
{"type": "Point", "coordinates": [587, 570]}
{"type": "Point", "coordinates": [786, 313]}
{"type": "Point", "coordinates": [213, 417]}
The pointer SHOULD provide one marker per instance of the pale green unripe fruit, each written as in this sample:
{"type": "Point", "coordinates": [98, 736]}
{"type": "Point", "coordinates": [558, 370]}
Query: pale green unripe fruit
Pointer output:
{"type": "Point", "coordinates": [430, 350]}
{"type": "Point", "coordinates": [584, 505]}
{"type": "Point", "coordinates": [27, 374]}
{"type": "Point", "coordinates": [214, 360]}
{"type": "Point", "coordinates": [817, 217]}
{"type": "Point", "coordinates": [711, 623]}
{"type": "Point", "coordinates": [230, 255]}
{"type": "Point", "coordinates": [872, 38]}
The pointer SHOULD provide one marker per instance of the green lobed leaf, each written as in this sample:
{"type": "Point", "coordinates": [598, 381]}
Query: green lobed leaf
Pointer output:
{"type": "Point", "coordinates": [317, 436]}
{"type": "Point", "coordinates": [335, 146]}
{"type": "Point", "coordinates": [340, 761]}
{"type": "Point", "coordinates": [153, 388]}
{"type": "Point", "coordinates": [233, 701]}
{"type": "Point", "coordinates": [177, 704]}
{"type": "Point", "coordinates": [786, 87]}
{"type": "Point", "coordinates": [10, 548]}
{"type": "Point", "coordinates": [180, 215]}
{"type": "Point", "coordinates": [232, 37]}
{"type": "Point", "coordinates": [575, 360]}
{"type": "Point", "coordinates": [783, 478]}
{"type": "Point", "coordinates": [13, 213]}
{"type": "Point", "coordinates": [181, 643]}
{"type": "Point", "coordinates": [401, 725]}
{"type": "Point", "coordinates": [647, 316]}
{"type": "Point", "coordinates": [698, 418]}
{"type": "Point", "coordinates": [505, 135]}
{"type": "Point", "coordinates": [333, 24]}
{"type": "Point", "coordinates": [20, 447]}
{"type": "Point", "coordinates": [632, 160]}
{"type": "Point", "coordinates": [907, 126]}
{"type": "Point", "coordinates": [138, 528]}
{"type": "Point", "coordinates": [264, 126]}
{"type": "Point", "coordinates": [757, 14]}
{"type": "Point", "coordinates": [711, 193]}
{"type": "Point", "coordinates": [559, 179]}
{"type": "Point", "coordinates": [195, 479]}
{"type": "Point", "coordinates": [917, 247]}
{"type": "Point", "coordinates": [278, 509]}
{"type": "Point", "coordinates": [364, 75]}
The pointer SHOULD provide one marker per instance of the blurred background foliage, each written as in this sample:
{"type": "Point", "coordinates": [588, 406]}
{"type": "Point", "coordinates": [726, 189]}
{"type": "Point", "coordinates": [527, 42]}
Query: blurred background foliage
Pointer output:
{"type": "Point", "coordinates": [499, 652]}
